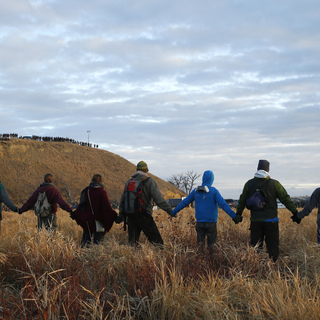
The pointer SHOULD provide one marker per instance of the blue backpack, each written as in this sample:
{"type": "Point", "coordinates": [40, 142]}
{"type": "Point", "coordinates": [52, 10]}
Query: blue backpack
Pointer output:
{"type": "Point", "coordinates": [258, 199]}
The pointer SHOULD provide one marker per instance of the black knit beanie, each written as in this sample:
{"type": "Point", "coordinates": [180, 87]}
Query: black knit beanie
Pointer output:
{"type": "Point", "coordinates": [264, 165]}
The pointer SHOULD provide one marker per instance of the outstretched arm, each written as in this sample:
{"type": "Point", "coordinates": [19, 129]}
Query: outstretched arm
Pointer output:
{"type": "Point", "coordinates": [158, 198]}
{"type": "Point", "coordinates": [63, 205]}
{"type": "Point", "coordinates": [311, 204]}
{"type": "Point", "coordinates": [283, 196]}
{"type": "Point", "coordinates": [223, 205]}
{"type": "Point", "coordinates": [242, 199]}
{"type": "Point", "coordinates": [4, 197]}
{"type": "Point", "coordinates": [184, 203]}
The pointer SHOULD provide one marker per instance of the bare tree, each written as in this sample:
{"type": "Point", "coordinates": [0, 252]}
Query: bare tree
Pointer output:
{"type": "Point", "coordinates": [65, 191]}
{"type": "Point", "coordinates": [177, 180]}
{"type": "Point", "coordinates": [191, 178]}
{"type": "Point", "coordinates": [184, 181]}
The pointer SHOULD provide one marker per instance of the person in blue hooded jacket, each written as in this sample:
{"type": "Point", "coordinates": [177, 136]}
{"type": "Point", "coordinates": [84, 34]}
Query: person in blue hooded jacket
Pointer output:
{"type": "Point", "coordinates": [207, 199]}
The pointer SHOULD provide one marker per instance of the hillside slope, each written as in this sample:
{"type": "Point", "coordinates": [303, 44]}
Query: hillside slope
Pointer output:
{"type": "Point", "coordinates": [23, 164]}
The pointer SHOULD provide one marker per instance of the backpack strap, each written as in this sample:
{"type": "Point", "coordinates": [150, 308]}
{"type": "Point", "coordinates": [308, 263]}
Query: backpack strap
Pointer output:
{"type": "Point", "coordinates": [265, 188]}
{"type": "Point", "coordinates": [90, 202]}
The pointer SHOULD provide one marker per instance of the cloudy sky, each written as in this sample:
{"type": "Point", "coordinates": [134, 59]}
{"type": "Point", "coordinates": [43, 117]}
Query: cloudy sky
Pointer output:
{"type": "Point", "coordinates": [184, 85]}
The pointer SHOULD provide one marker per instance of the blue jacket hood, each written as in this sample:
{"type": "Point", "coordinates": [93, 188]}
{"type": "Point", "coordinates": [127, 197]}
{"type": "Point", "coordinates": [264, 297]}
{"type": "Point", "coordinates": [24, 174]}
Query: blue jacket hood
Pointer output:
{"type": "Point", "coordinates": [208, 178]}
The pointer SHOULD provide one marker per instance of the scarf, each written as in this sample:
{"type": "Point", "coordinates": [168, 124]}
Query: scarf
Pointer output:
{"type": "Point", "coordinates": [262, 174]}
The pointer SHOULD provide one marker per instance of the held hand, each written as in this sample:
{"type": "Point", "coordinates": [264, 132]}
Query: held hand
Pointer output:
{"type": "Point", "coordinates": [295, 218]}
{"type": "Point", "coordinates": [237, 219]}
{"type": "Point", "coordinates": [118, 220]}
{"type": "Point", "coordinates": [72, 215]}
{"type": "Point", "coordinates": [174, 215]}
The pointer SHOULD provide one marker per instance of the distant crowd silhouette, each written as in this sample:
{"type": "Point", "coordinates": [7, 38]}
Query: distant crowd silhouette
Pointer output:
{"type": "Point", "coordinates": [8, 136]}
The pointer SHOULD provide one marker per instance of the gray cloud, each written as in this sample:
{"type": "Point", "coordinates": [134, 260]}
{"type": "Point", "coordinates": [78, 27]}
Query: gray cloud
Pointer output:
{"type": "Point", "coordinates": [203, 85]}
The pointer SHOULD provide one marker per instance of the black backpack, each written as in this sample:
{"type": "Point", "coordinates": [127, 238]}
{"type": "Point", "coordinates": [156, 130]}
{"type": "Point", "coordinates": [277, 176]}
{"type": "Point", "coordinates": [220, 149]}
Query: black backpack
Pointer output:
{"type": "Point", "coordinates": [258, 199]}
{"type": "Point", "coordinates": [133, 200]}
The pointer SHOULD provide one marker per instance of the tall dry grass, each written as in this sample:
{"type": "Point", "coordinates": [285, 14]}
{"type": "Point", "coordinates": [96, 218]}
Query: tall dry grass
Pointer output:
{"type": "Point", "coordinates": [46, 276]}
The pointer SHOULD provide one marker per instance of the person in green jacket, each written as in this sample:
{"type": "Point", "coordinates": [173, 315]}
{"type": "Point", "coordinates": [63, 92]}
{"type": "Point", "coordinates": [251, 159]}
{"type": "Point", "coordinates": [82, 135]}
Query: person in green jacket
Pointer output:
{"type": "Point", "coordinates": [265, 222]}
{"type": "Point", "coordinates": [4, 198]}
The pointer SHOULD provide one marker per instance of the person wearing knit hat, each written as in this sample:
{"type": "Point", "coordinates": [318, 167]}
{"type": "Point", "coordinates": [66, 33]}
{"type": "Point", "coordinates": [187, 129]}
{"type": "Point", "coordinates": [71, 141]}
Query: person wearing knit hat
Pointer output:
{"type": "Point", "coordinates": [264, 165]}
{"type": "Point", "coordinates": [142, 220]}
{"type": "Point", "coordinates": [264, 221]}
{"type": "Point", "coordinates": [142, 166]}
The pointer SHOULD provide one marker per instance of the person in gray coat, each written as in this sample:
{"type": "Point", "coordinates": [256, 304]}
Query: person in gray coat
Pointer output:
{"type": "Point", "coordinates": [143, 220]}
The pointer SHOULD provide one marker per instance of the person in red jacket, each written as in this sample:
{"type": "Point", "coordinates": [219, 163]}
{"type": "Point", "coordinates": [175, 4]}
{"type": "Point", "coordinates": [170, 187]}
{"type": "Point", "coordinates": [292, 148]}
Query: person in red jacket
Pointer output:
{"type": "Point", "coordinates": [94, 213]}
{"type": "Point", "coordinates": [54, 198]}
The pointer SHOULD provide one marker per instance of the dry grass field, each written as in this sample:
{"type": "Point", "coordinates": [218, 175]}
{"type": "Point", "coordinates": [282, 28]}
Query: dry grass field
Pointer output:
{"type": "Point", "coordinates": [51, 277]}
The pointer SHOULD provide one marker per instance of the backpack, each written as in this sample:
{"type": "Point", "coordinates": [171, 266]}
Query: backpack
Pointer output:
{"type": "Point", "coordinates": [257, 200]}
{"type": "Point", "coordinates": [133, 201]}
{"type": "Point", "coordinates": [42, 207]}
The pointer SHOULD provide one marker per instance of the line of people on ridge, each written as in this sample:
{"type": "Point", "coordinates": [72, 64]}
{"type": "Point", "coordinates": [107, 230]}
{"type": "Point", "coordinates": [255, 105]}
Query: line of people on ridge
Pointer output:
{"type": "Point", "coordinates": [96, 216]}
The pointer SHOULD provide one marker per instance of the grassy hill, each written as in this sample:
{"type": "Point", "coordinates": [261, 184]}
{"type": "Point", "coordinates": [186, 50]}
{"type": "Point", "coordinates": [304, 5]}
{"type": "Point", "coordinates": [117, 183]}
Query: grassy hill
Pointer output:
{"type": "Point", "coordinates": [23, 164]}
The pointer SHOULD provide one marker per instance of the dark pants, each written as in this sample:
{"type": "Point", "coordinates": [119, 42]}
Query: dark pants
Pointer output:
{"type": "Point", "coordinates": [88, 238]}
{"type": "Point", "coordinates": [145, 223]}
{"type": "Point", "coordinates": [49, 222]}
{"type": "Point", "coordinates": [268, 232]}
{"type": "Point", "coordinates": [206, 230]}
